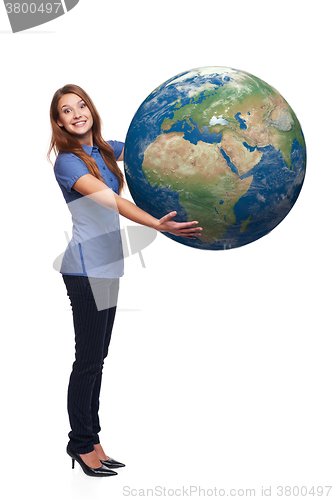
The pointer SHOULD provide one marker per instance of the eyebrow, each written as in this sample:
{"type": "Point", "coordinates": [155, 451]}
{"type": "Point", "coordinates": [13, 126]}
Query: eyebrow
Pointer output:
{"type": "Point", "coordinates": [81, 100]}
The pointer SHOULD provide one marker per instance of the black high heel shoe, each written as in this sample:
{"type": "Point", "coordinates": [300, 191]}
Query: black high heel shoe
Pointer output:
{"type": "Point", "coordinates": [110, 462]}
{"type": "Point", "coordinates": [99, 472]}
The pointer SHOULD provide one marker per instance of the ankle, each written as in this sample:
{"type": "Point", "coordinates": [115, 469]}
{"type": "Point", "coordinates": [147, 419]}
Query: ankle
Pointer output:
{"type": "Point", "coordinates": [91, 459]}
{"type": "Point", "coordinates": [100, 452]}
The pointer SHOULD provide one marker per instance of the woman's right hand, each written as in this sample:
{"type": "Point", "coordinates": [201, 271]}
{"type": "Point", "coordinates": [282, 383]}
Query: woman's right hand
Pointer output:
{"type": "Point", "coordinates": [95, 189]}
{"type": "Point", "coordinates": [185, 229]}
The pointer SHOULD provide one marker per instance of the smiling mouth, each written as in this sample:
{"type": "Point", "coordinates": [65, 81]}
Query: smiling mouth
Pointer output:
{"type": "Point", "coordinates": [79, 124]}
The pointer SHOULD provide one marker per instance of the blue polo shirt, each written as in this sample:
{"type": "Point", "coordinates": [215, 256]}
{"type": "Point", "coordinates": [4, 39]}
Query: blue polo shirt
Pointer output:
{"type": "Point", "coordinates": [95, 249]}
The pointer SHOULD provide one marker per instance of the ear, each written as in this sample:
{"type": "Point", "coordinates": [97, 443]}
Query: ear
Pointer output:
{"type": "Point", "coordinates": [59, 123]}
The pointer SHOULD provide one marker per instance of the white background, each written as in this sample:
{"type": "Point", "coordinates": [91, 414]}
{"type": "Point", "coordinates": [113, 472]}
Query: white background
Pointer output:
{"type": "Point", "coordinates": [220, 365]}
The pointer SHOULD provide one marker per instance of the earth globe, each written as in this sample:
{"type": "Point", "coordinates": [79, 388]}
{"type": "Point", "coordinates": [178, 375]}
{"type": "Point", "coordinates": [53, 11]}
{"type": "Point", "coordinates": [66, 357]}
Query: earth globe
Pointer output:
{"type": "Point", "coordinates": [219, 146]}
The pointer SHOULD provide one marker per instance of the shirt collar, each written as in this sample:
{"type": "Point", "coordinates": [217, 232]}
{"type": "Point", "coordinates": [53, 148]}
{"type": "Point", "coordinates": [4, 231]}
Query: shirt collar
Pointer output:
{"type": "Point", "coordinates": [88, 149]}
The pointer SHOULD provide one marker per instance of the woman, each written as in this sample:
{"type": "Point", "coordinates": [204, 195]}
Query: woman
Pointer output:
{"type": "Point", "coordinates": [88, 174]}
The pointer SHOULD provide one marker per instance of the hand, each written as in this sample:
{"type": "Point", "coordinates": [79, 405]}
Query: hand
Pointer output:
{"type": "Point", "coordinates": [178, 228]}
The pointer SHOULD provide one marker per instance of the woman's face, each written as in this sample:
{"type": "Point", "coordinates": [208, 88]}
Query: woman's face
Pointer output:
{"type": "Point", "coordinates": [76, 117]}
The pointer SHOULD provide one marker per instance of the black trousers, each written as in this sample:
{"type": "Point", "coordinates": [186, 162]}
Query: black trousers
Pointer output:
{"type": "Point", "coordinates": [93, 302]}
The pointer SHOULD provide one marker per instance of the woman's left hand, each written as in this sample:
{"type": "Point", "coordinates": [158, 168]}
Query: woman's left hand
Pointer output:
{"type": "Point", "coordinates": [184, 229]}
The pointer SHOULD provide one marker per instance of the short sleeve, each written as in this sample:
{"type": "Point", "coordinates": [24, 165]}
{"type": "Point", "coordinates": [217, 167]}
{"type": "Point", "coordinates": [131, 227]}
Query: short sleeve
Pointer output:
{"type": "Point", "coordinates": [68, 168]}
{"type": "Point", "coordinates": [117, 147]}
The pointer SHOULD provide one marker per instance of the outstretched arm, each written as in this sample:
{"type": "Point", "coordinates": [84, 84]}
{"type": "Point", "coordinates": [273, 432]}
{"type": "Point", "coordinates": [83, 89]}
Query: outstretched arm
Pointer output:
{"type": "Point", "coordinates": [95, 189]}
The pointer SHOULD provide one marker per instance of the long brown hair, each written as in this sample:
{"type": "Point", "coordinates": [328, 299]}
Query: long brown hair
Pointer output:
{"type": "Point", "coordinates": [63, 141]}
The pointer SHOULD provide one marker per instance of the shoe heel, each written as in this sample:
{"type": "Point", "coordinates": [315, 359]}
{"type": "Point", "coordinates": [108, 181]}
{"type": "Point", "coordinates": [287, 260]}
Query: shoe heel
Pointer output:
{"type": "Point", "coordinates": [73, 463]}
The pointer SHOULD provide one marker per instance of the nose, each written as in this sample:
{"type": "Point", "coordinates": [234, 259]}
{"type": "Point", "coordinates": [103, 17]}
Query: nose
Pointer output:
{"type": "Point", "coordinates": [77, 113]}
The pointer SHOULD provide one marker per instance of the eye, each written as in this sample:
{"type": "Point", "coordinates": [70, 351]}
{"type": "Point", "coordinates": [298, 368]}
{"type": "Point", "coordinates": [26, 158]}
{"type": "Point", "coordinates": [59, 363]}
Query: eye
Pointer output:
{"type": "Point", "coordinates": [83, 105]}
{"type": "Point", "coordinates": [65, 111]}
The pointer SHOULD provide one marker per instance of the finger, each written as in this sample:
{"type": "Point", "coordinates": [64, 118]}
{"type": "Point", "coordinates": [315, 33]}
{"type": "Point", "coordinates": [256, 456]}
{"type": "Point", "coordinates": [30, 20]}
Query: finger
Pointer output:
{"type": "Point", "coordinates": [191, 230]}
{"type": "Point", "coordinates": [168, 216]}
{"type": "Point", "coordinates": [187, 233]}
{"type": "Point", "coordinates": [183, 225]}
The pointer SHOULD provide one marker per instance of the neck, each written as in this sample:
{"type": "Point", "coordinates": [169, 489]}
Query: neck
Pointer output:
{"type": "Point", "coordinates": [87, 139]}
